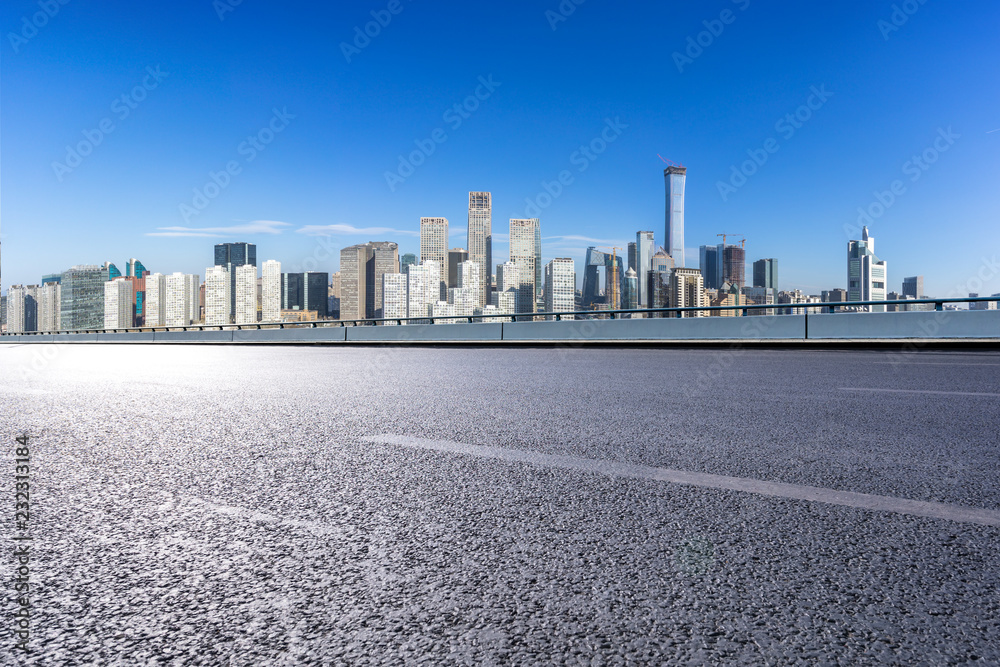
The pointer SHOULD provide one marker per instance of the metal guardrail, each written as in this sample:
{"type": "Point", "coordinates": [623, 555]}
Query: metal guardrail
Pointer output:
{"type": "Point", "coordinates": [828, 307]}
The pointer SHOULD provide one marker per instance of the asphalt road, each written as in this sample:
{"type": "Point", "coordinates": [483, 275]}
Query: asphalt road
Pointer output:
{"type": "Point", "coordinates": [244, 506]}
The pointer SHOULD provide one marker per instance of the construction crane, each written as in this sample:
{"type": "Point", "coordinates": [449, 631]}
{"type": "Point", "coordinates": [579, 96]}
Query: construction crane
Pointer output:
{"type": "Point", "coordinates": [669, 163]}
{"type": "Point", "coordinates": [743, 239]}
{"type": "Point", "coordinates": [614, 301]}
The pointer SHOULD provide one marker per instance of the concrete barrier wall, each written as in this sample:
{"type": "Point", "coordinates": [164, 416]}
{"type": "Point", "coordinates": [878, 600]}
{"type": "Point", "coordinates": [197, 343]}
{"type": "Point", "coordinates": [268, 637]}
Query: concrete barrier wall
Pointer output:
{"type": "Point", "coordinates": [485, 332]}
{"type": "Point", "coordinates": [984, 324]}
{"type": "Point", "coordinates": [687, 328]}
{"type": "Point", "coordinates": [298, 335]}
{"type": "Point", "coordinates": [134, 337]}
{"type": "Point", "coordinates": [917, 324]}
{"type": "Point", "coordinates": [193, 336]}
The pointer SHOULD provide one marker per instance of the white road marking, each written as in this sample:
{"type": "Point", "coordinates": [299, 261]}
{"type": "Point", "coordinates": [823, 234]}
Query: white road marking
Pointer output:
{"type": "Point", "coordinates": [922, 391]}
{"type": "Point", "coordinates": [777, 489]}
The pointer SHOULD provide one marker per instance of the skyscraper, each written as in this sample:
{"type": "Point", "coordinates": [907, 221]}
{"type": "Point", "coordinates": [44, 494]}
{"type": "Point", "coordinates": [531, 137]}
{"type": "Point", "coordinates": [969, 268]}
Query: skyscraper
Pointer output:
{"type": "Point", "coordinates": [630, 293]}
{"type": "Point", "coordinates": [82, 297]}
{"type": "Point", "coordinates": [246, 294]}
{"type": "Point", "coordinates": [112, 270]}
{"type": "Point", "coordinates": [48, 307]}
{"type": "Point", "coordinates": [765, 273]}
{"type": "Point", "coordinates": [270, 291]}
{"type": "Point", "coordinates": [481, 239]}
{"type": "Point", "coordinates": [455, 257]}
{"type": "Point", "coordinates": [180, 300]}
{"type": "Point", "coordinates": [711, 266]}
{"type": "Point", "coordinates": [734, 264]}
{"type": "Point", "coordinates": [156, 300]}
{"type": "Point", "coordinates": [383, 258]}
{"type": "Point", "coordinates": [867, 275]}
{"type": "Point", "coordinates": [16, 295]}
{"type": "Point", "coordinates": [353, 276]}
{"type": "Point", "coordinates": [914, 286]}
{"type": "Point", "coordinates": [118, 304]}
{"type": "Point", "coordinates": [645, 246]}
{"type": "Point", "coordinates": [434, 246]}
{"type": "Point", "coordinates": [674, 178]}
{"type": "Point", "coordinates": [406, 260]}
{"type": "Point", "coordinates": [560, 286]}
{"type": "Point", "coordinates": [464, 296]}
{"type": "Point", "coordinates": [525, 239]}
{"type": "Point", "coordinates": [217, 296]}
{"type": "Point", "coordinates": [231, 255]}
{"type": "Point", "coordinates": [394, 296]}
{"type": "Point", "coordinates": [422, 288]}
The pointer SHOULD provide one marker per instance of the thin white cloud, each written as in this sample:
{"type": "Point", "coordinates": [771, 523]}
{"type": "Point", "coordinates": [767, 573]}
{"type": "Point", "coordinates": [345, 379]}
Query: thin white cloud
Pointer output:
{"type": "Point", "coordinates": [248, 228]}
{"type": "Point", "coordinates": [587, 239]}
{"type": "Point", "coordinates": [351, 230]}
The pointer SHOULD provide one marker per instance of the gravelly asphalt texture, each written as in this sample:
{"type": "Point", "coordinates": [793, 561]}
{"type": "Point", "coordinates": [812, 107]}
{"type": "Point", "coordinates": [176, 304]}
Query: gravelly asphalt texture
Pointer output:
{"type": "Point", "coordinates": [220, 505]}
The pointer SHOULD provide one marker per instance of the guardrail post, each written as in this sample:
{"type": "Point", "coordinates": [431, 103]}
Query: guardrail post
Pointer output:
{"type": "Point", "coordinates": [938, 305]}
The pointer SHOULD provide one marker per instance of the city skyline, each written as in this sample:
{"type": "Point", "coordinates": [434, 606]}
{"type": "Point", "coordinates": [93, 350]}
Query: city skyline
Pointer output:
{"type": "Point", "coordinates": [784, 184]}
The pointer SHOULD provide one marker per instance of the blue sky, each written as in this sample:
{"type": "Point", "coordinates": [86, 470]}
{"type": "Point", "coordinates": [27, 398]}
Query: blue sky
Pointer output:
{"type": "Point", "coordinates": [200, 78]}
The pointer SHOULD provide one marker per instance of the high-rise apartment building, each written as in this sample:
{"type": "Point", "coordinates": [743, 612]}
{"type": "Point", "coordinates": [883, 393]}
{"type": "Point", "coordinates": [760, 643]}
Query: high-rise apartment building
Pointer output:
{"type": "Point", "coordinates": [270, 291]}
{"type": "Point", "coordinates": [481, 239]}
{"type": "Point", "coordinates": [914, 286]}
{"type": "Point", "coordinates": [394, 295]}
{"type": "Point", "coordinates": [16, 320]}
{"type": "Point", "coordinates": [455, 257]}
{"type": "Point", "coordinates": [765, 273]}
{"type": "Point", "coordinates": [464, 296]}
{"type": "Point", "coordinates": [231, 255]}
{"type": "Point", "coordinates": [118, 304]}
{"type": "Point", "coordinates": [49, 307]}
{"type": "Point", "coordinates": [645, 247]}
{"type": "Point", "coordinates": [82, 297]}
{"type": "Point", "coordinates": [867, 275]}
{"type": "Point", "coordinates": [560, 286]}
{"type": "Point", "coordinates": [246, 294]}
{"type": "Point", "coordinates": [180, 299]}
{"type": "Point", "coordinates": [217, 296]}
{"type": "Point", "coordinates": [156, 300]}
{"type": "Point", "coordinates": [434, 247]}
{"type": "Point", "coordinates": [525, 251]}
{"type": "Point", "coordinates": [423, 288]}
{"type": "Point", "coordinates": [687, 290]}
{"type": "Point", "coordinates": [674, 178]}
